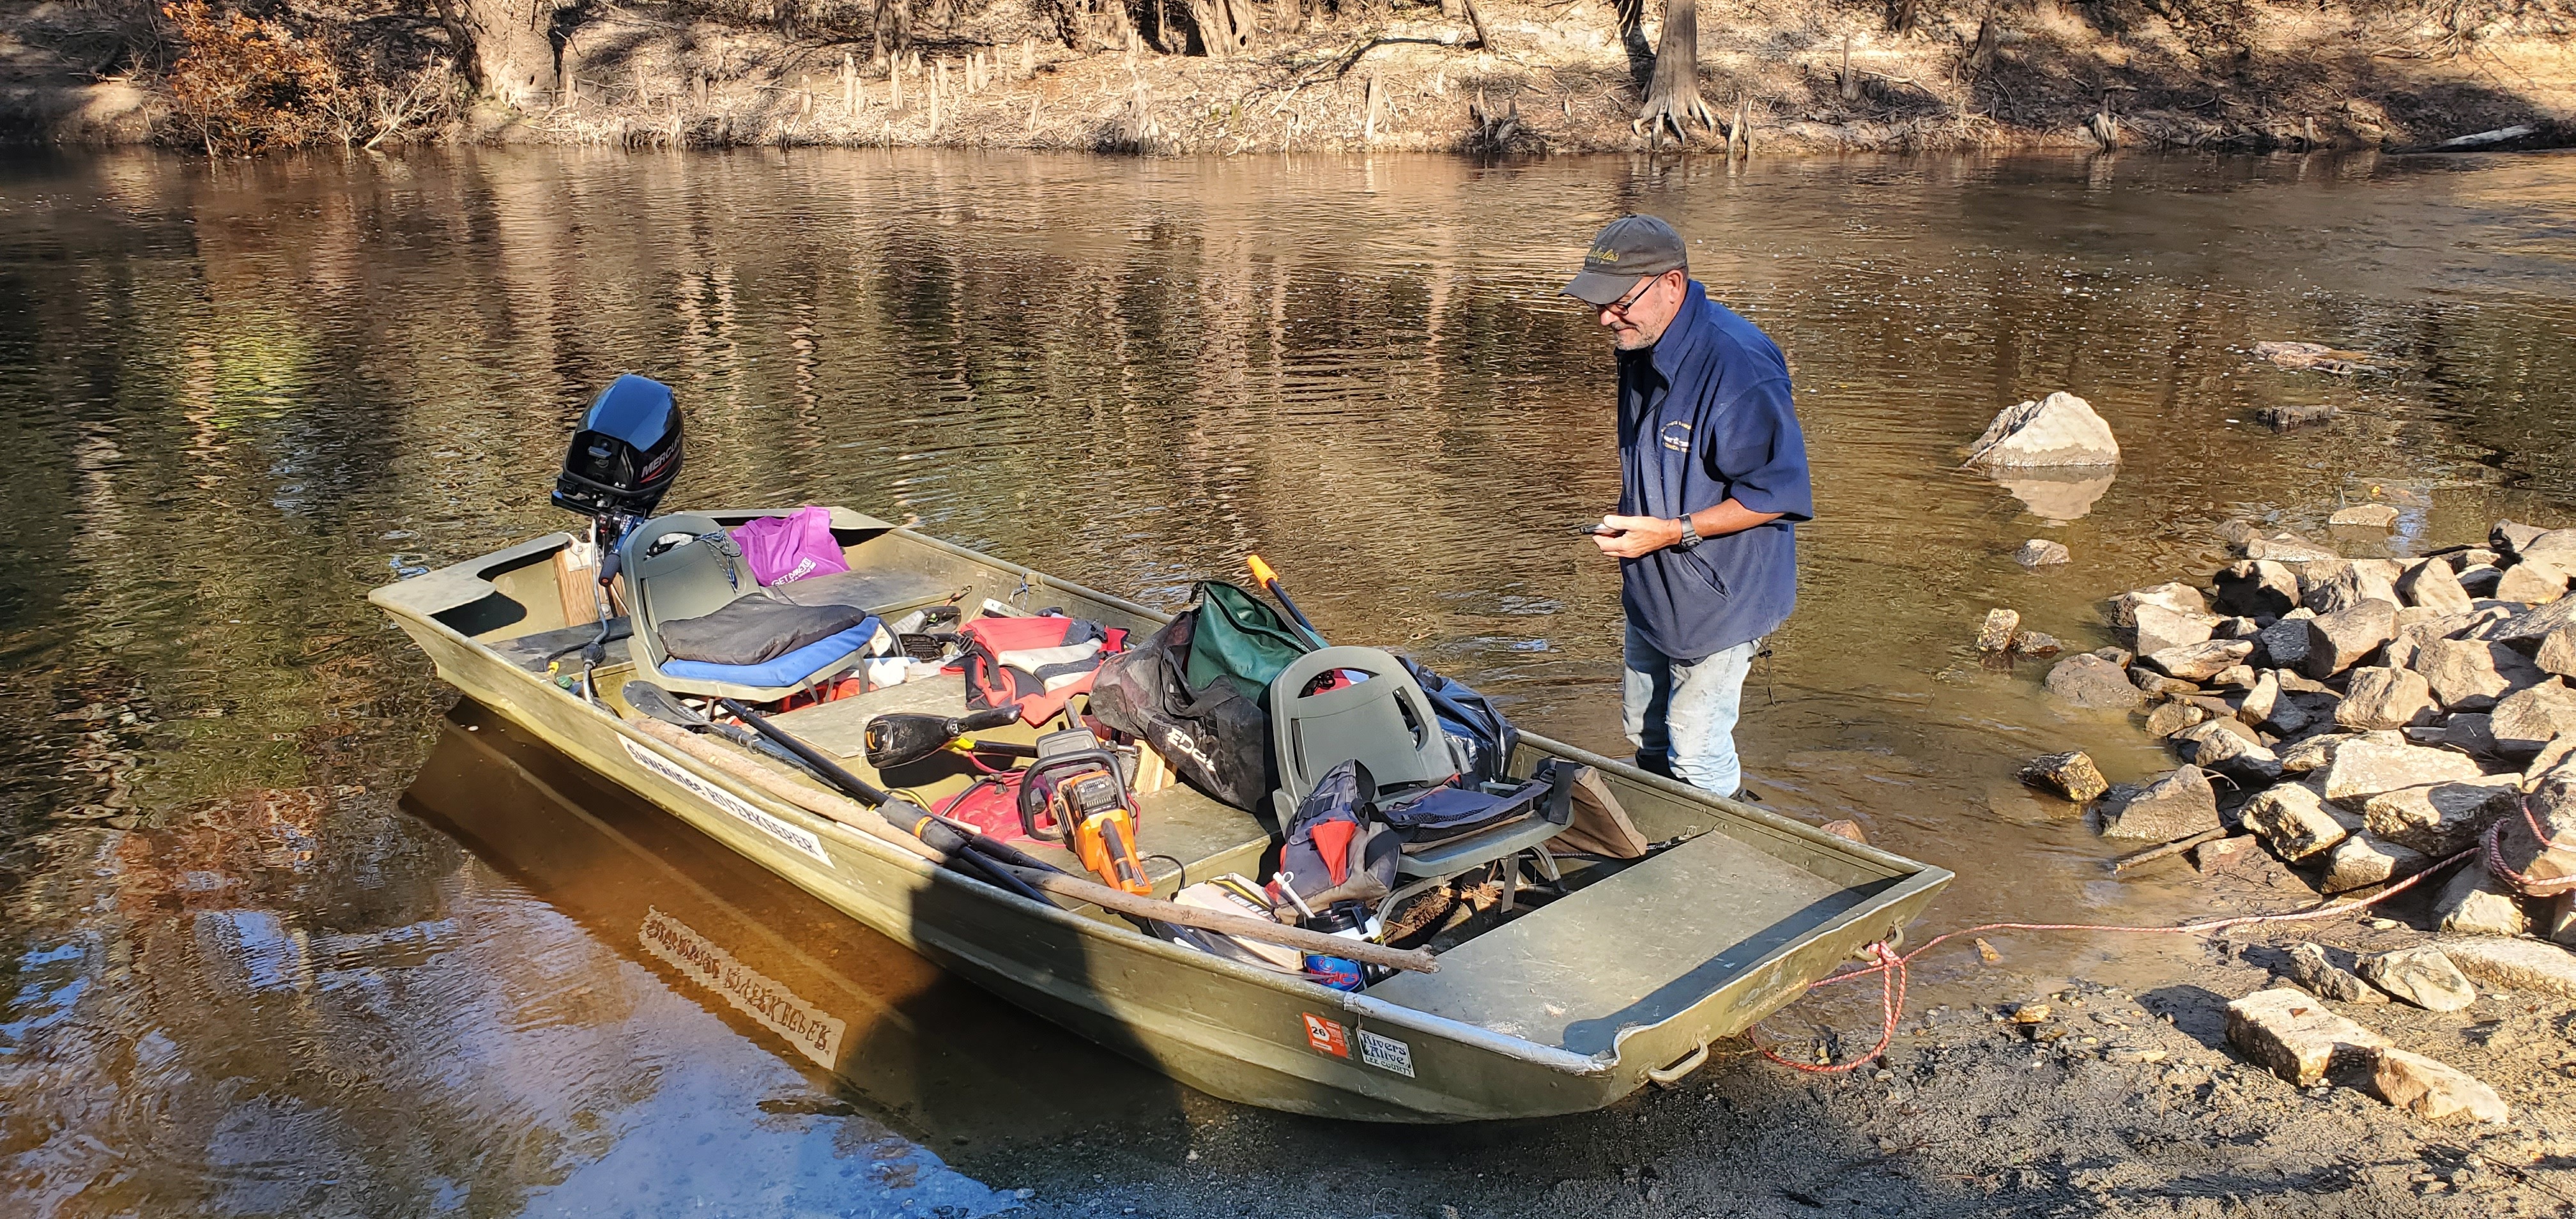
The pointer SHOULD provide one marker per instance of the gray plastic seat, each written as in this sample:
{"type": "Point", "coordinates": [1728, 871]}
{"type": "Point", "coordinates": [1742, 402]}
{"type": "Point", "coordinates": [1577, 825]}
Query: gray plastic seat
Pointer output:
{"type": "Point", "coordinates": [691, 580]}
{"type": "Point", "coordinates": [1385, 722]}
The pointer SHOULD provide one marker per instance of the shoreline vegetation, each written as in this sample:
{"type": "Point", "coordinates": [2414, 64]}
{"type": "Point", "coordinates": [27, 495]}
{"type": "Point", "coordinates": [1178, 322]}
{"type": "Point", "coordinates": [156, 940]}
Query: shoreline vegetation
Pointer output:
{"type": "Point", "coordinates": [1197, 77]}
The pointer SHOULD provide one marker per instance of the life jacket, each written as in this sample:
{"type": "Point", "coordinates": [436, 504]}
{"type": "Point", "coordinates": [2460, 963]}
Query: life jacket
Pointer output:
{"type": "Point", "coordinates": [1034, 663]}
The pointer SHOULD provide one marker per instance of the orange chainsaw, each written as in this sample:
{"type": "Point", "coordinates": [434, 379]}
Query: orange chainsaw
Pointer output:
{"type": "Point", "coordinates": [1075, 794]}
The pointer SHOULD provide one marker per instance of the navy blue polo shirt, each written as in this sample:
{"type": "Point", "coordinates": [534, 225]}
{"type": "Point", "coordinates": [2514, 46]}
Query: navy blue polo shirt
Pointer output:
{"type": "Point", "coordinates": [1705, 416]}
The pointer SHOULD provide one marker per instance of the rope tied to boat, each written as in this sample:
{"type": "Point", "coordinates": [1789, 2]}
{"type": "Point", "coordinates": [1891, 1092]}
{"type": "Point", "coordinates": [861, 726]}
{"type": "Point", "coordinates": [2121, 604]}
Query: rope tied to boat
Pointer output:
{"type": "Point", "coordinates": [1891, 968]}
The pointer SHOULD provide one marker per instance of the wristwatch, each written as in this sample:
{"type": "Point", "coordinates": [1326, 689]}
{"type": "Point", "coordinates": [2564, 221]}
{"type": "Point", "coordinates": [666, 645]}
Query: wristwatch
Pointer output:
{"type": "Point", "coordinates": [1690, 533]}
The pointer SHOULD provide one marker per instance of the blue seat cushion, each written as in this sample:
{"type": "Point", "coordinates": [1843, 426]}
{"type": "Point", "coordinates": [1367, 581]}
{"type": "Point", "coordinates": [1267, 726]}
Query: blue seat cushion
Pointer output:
{"type": "Point", "coordinates": [786, 670]}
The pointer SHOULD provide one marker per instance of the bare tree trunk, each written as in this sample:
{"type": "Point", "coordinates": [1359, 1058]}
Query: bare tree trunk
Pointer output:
{"type": "Point", "coordinates": [1672, 98]}
{"type": "Point", "coordinates": [507, 46]}
{"type": "Point", "coordinates": [1289, 16]}
{"type": "Point", "coordinates": [893, 22]}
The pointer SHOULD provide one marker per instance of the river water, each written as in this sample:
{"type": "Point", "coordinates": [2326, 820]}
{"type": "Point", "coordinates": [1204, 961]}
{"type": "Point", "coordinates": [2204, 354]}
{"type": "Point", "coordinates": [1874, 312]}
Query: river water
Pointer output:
{"type": "Point", "coordinates": [284, 935]}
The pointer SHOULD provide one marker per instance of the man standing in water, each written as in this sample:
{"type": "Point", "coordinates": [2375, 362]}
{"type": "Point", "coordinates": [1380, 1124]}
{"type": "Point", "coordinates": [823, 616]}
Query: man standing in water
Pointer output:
{"type": "Point", "coordinates": [1713, 478]}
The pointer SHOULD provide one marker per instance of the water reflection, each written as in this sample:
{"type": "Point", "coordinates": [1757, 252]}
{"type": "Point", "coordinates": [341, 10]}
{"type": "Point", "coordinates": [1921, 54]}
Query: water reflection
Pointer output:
{"type": "Point", "coordinates": [239, 978]}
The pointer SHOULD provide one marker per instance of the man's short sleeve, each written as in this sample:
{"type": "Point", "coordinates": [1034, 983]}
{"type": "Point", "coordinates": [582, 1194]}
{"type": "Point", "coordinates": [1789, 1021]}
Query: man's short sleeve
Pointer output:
{"type": "Point", "coordinates": [1761, 454]}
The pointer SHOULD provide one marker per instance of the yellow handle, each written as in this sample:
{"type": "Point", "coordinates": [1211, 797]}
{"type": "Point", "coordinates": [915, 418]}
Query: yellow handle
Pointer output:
{"type": "Point", "coordinates": [1261, 573]}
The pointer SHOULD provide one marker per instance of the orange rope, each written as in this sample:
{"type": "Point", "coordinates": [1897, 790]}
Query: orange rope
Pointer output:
{"type": "Point", "coordinates": [1892, 967]}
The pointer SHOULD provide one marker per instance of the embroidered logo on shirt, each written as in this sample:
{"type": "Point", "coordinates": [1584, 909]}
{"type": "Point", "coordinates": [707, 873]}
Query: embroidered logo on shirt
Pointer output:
{"type": "Point", "coordinates": [1676, 437]}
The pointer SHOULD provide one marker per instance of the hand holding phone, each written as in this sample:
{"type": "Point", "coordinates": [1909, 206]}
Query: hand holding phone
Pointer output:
{"type": "Point", "coordinates": [1597, 529]}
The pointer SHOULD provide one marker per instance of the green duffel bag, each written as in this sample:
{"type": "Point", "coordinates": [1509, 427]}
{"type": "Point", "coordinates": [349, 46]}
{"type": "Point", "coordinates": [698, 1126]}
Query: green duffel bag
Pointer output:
{"type": "Point", "coordinates": [1241, 639]}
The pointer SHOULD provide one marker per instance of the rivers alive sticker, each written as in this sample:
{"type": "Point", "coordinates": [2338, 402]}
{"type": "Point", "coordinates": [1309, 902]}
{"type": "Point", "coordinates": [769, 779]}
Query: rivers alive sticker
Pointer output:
{"type": "Point", "coordinates": [774, 1006]}
{"type": "Point", "coordinates": [1326, 1036]}
{"type": "Point", "coordinates": [1386, 1053]}
{"type": "Point", "coordinates": [719, 797]}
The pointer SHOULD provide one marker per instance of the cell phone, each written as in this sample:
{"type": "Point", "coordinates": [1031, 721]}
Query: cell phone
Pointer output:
{"type": "Point", "coordinates": [1597, 529]}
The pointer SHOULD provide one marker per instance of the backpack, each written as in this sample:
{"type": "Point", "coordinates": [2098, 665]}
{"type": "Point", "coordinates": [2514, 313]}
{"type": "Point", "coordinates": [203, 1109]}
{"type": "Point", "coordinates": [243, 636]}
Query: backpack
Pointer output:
{"type": "Point", "coordinates": [1035, 662]}
{"type": "Point", "coordinates": [1338, 848]}
{"type": "Point", "coordinates": [1478, 733]}
{"type": "Point", "coordinates": [1214, 737]}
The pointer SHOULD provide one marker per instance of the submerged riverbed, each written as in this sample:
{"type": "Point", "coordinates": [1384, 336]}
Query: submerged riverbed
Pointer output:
{"type": "Point", "coordinates": [283, 936]}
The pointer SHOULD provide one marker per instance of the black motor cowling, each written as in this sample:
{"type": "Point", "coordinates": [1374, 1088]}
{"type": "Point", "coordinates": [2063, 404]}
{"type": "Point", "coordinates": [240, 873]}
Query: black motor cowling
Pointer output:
{"type": "Point", "coordinates": [626, 453]}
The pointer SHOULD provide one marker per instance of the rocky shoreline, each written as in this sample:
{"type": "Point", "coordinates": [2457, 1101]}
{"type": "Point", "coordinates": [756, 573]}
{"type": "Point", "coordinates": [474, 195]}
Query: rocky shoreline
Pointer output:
{"type": "Point", "coordinates": [2350, 728]}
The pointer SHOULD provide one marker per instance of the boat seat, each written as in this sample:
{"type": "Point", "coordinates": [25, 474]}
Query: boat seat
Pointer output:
{"type": "Point", "coordinates": [1435, 862]}
{"type": "Point", "coordinates": [1384, 722]}
{"type": "Point", "coordinates": [685, 568]}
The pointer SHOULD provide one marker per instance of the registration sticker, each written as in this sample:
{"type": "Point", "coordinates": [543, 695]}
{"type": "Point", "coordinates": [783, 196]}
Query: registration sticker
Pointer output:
{"type": "Point", "coordinates": [1386, 1053]}
{"type": "Point", "coordinates": [1327, 1036]}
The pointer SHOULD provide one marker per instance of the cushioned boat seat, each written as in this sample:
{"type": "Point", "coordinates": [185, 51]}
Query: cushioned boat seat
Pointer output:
{"type": "Point", "coordinates": [785, 670]}
{"type": "Point", "coordinates": [754, 630]}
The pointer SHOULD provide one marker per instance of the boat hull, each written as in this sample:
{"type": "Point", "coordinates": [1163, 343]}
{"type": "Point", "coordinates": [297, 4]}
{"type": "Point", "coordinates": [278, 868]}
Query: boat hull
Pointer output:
{"type": "Point", "coordinates": [1229, 1030]}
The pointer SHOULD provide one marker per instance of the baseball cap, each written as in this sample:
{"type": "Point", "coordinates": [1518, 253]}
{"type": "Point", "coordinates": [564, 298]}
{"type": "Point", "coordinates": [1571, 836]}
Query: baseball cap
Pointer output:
{"type": "Point", "coordinates": [1628, 249]}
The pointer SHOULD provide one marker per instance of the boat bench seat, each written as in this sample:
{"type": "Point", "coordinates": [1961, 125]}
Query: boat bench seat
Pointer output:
{"type": "Point", "coordinates": [1206, 837]}
{"type": "Point", "coordinates": [1634, 949]}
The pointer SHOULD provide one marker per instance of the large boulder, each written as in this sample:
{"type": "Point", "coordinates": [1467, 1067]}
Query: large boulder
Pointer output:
{"type": "Point", "coordinates": [2040, 552]}
{"type": "Point", "coordinates": [2087, 680]}
{"type": "Point", "coordinates": [2526, 965]}
{"type": "Point", "coordinates": [2284, 644]}
{"type": "Point", "coordinates": [2421, 976]}
{"type": "Point", "coordinates": [1996, 635]}
{"type": "Point", "coordinates": [2474, 902]}
{"type": "Point", "coordinates": [2291, 1034]}
{"type": "Point", "coordinates": [2122, 611]}
{"type": "Point", "coordinates": [2384, 762]}
{"type": "Point", "coordinates": [2441, 819]}
{"type": "Point", "coordinates": [2317, 974]}
{"type": "Point", "coordinates": [2536, 580]}
{"type": "Point", "coordinates": [2363, 516]}
{"type": "Point", "coordinates": [2384, 698]}
{"type": "Point", "coordinates": [2296, 822]}
{"type": "Point", "coordinates": [2256, 588]}
{"type": "Point", "coordinates": [2471, 674]}
{"type": "Point", "coordinates": [2313, 753]}
{"type": "Point", "coordinates": [2338, 641]}
{"type": "Point", "coordinates": [2557, 652]}
{"type": "Point", "coordinates": [2433, 1090]}
{"type": "Point", "coordinates": [2526, 629]}
{"type": "Point", "coordinates": [2364, 859]}
{"type": "Point", "coordinates": [2333, 585]}
{"type": "Point", "coordinates": [2221, 747]}
{"type": "Point", "coordinates": [2511, 538]}
{"type": "Point", "coordinates": [2071, 775]}
{"type": "Point", "coordinates": [2200, 661]}
{"type": "Point", "coordinates": [2059, 430]}
{"type": "Point", "coordinates": [2431, 584]}
{"type": "Point", "coordinates": [2526, 720]}
{"type": "Point", "coordinates": [2286, 547]}
{"type": "Point", "coordinates": [2155, 628]}
{"type": "Point", "coordinates": [2178, 805]}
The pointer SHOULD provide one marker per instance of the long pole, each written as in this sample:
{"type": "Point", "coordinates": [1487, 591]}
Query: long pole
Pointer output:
{"type": "Point", "coordinates": [848, 812]}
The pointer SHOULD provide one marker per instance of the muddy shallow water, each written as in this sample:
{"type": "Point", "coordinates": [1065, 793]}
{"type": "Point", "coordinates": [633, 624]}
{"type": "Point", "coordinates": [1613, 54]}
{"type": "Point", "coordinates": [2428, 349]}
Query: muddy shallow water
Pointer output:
{"type": "Point", "coordinates": [281, 935]}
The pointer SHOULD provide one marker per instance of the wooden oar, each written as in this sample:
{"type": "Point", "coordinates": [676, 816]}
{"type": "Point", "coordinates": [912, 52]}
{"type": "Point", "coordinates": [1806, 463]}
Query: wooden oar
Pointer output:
{"type": "Point", "coordinates": [868, 821]}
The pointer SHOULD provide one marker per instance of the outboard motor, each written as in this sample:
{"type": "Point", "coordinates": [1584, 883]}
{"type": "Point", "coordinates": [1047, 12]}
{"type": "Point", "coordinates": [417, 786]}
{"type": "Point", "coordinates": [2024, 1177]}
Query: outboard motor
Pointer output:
{"type": "Point", "coordinates": [622, 460]}
{"type": "Point", "coordinates": [624, 457]}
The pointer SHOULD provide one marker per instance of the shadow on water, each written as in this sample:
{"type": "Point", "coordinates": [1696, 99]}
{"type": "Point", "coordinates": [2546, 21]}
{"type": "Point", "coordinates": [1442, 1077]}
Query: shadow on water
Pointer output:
{"type": "Point", "coordinates": [908, 1043]}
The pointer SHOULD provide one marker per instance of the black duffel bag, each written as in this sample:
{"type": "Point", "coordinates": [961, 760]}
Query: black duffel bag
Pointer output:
{"type": "Point", "coordinates": [1215, 738]}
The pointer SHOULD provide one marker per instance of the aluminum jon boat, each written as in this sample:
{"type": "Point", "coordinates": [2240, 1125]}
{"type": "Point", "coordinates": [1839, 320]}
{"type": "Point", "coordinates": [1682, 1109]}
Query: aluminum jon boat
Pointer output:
{"type": "Point", "coordinates": [1562, 1007]}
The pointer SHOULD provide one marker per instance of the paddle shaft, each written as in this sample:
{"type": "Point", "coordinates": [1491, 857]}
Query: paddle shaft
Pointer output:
{"type": "Point", "coordinates": [869, 821]}
{"type": "Point", "coordinates": [1269, 579]}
